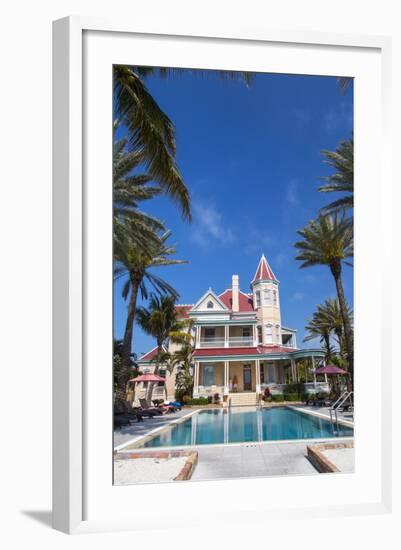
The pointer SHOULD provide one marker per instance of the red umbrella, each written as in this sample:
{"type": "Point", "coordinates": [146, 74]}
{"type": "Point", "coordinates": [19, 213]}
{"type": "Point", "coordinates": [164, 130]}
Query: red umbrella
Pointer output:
{"type": "Point", "coordinates": [330, 369]}
{"type": "Point", "coordinates": [148, 378]}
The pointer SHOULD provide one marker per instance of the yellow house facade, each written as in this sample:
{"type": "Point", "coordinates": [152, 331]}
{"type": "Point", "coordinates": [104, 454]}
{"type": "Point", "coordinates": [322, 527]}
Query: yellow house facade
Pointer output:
{"type": "Point", "coordinates": [241, 345]}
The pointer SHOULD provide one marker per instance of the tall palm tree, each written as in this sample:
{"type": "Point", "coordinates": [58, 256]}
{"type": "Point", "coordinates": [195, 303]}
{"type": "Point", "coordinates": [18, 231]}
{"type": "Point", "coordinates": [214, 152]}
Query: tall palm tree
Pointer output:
{"type": "Point", "coordinates": [329, 241]}
{"type": "Point", "coordinates": [159, 320]}
{"type": "Point", "coordinates": [136, 266]}
{"type": "Point", "coordinates": [151, 134]}
{"type": "Point", "coordinates": [317, 328]}
{"type": "Point", "coordinates": [342, 181]}
{"type": "Point", "coordinates": [128, 190]}
{"type": "Point", "coordinates": [330, 314]}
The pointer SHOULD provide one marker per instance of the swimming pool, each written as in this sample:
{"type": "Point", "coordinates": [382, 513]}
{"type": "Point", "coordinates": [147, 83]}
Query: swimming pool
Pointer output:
{"type": "Point", "coordinates": [222, 426]}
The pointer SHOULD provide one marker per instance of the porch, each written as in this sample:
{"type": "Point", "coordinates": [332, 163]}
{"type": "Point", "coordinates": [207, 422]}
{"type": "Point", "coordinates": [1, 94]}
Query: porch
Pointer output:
{"type": "Point", "coordinates": [240, 376]}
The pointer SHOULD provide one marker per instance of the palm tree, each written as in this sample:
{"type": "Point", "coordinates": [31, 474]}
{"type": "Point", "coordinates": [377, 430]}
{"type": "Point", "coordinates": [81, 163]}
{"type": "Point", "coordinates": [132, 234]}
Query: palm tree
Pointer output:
{"type": "Point", "coordinates": [317, 328]}
{"type": "Point", "coordinates": [329, 241]}
{"type": "Point", "coordinates": [136, 266]}
{"type": "Point", "coordinates": [128, 190]}
{"type": "Point", "coordinates": [151, 134]}
{"type": "Point", "coordinates": [330, 314]}
{"type": "Point", "coordinates": [342, 160]}
{"type": "Point", "coordinates": [160, 320]}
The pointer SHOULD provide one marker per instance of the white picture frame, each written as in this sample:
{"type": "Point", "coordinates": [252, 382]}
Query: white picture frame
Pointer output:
{"type": "Point", "coordinates": [73, 475]}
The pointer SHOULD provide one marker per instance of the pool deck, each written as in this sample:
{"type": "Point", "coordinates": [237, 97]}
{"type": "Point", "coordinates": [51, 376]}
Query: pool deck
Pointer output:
{"type": "Point", "coordinates": [235, 460]}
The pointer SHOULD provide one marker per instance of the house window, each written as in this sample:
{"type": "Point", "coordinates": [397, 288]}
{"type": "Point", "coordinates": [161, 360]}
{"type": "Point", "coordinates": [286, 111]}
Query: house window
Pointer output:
{"type": "Point", "coordinates": [275, 297]}
{"type": "Point", "coordinates": [269, 334]}
{"type": "Point", "coordinates": [208, 375]}
{"type": "Point", "coordinates": [278, 339]}
{"type": "Point", "coordinates": [267, 301]}
{"type": "Point", "coordinates": [272, 374]}
{"type": "Point", "coordinates": [210, 305]}
{"type": "Point", "coordinates": [257, 294]}
{"type": "Point", "coordinates": [246, 332]}
{"type": "Point", "coordinates": [209, 333]}
{"type": "Point", "coordinates": [162, 372]}
{"type": "Point", "coordinates": [260, 336]}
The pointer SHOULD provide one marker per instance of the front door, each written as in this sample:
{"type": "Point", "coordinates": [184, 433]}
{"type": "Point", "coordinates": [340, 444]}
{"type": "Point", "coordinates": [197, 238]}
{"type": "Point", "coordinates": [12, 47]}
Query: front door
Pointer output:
{"type": "Point", "coordinates": [247, 378]}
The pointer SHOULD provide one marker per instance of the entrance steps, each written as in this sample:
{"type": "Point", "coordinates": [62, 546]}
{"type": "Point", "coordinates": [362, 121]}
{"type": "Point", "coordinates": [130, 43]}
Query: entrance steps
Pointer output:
{"type": "Point", "coordinates": [242, 399]}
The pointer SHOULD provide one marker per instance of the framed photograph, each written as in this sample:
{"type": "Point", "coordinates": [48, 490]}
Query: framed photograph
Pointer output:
{"type": "Point", "coordinates": [220, 275]}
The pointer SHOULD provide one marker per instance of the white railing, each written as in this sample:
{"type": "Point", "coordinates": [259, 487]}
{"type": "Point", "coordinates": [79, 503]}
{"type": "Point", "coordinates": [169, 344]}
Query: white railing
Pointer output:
{"type": "Point", "coordinates": [233, 342]}
{"type": "Point", "coordinates": [239, 341]}
{"type": "Point", "coordinates": [211, 343]}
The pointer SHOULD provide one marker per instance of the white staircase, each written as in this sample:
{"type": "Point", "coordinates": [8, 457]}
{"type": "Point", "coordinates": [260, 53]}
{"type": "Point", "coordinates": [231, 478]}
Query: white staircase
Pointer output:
{"type": "Point", "coordinates": [242, 399]}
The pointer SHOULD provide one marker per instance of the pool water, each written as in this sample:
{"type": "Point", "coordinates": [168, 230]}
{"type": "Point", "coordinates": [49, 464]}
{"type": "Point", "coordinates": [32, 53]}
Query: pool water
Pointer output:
{"type": "Point", "coordinates": [216, 426]}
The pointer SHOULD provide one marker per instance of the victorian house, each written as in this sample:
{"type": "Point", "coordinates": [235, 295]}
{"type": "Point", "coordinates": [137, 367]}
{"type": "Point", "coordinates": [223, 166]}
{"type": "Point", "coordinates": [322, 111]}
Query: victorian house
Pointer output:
{"type": "Point", "coordinates": [241, 344]}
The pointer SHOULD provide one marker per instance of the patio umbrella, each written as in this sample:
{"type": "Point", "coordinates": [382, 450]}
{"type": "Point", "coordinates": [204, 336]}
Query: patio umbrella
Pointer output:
{"type": "Point", "coordinates": [148, 378]}
{"type": "Point", "coordinates": [330, 369]}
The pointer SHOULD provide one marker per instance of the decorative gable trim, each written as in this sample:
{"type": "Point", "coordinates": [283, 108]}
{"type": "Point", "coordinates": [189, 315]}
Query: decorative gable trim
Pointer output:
{"type": "Point", "coordinates": [209, 294]}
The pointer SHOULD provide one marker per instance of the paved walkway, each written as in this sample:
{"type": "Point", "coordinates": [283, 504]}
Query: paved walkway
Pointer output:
{"type": "Point", "coordinates": [253, 460]}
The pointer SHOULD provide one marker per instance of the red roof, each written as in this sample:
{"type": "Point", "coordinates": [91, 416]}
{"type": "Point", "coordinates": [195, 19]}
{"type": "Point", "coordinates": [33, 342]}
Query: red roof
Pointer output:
{"type": "Point", "coordinates": [149, 355]}
{"type": "Point", "coordinates": [245, 301]}
{"type": "Point", "coordinates": [264, 272]}
{"type": "Point", "coordinates": [260, 350]}
{"type": "Point", "coordinates": [225, 351]}
{"type": "Point", "coordinates": [183, 310]}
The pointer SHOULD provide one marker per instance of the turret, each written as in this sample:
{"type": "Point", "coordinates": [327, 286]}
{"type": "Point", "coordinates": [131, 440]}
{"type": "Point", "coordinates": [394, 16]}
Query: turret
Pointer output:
{"type": "Point", "coordinates": [265, 288]}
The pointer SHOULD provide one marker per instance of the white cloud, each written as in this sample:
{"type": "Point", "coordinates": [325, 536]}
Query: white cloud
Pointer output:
{"type": "Point", "coordinates": [298, 296]}
{"type": "Point", "coordinates": [291, 194]}
{"type": "Point", "coordinates": [335, 119]}
{"type": "Point", "coordinates": [209, 226]}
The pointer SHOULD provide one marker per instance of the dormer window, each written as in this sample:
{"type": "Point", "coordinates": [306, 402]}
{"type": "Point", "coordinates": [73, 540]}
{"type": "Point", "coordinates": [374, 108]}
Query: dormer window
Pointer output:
{"type": "Point", "coordinates": [210, 305]}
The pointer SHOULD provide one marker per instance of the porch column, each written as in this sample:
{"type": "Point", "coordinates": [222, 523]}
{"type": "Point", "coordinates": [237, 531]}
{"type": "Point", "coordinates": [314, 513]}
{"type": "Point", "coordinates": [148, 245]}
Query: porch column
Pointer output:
{"type": "Point", "coordinates": [196, 379]}
{"type": "Point", "coordinates": [254, 336]}
{"type": "Point", "coordinates": [313, 369]}
{"type": "Point", "coordinates": [197, 337]}
{"type": "Point", "coordinates": [226, 335]}
{"type": "Point", "coordinates": [226, 378]}
{"type": "Point", "coordinates": [293, 371]}
{"type": "Point", "coordinates": [257, 375]}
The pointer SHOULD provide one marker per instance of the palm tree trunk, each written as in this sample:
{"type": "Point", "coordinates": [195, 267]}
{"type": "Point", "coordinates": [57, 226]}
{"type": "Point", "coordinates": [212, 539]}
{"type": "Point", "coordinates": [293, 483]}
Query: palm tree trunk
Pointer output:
{"type": "Point", "coordinates": [349, 339]}
{"type": "Point", "coordinates": [128, 333]}
{"type": "Point", "coordinates": [156, 371]}
{"type": "Point", "coordinates": [327, 342]}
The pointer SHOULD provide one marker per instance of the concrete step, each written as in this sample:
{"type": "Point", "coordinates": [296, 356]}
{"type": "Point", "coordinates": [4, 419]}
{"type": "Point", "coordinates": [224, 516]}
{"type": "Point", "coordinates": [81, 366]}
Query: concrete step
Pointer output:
{"type": "Point", "coordinates": [242, 399]}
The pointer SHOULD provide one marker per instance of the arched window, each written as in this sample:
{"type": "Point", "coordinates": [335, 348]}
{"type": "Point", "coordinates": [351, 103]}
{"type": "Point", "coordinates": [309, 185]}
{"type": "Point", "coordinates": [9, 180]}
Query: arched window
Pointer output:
{"type": "Point", "coordinates": [210, 305]}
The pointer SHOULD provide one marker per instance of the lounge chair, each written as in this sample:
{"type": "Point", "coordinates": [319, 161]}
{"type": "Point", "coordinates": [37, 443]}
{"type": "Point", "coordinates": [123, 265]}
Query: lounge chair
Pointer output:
{"type": "Point", "coordinates": [145, 407]}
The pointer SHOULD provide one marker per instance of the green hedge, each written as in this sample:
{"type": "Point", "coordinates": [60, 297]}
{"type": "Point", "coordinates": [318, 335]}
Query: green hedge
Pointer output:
{"type": "Point", "coordinates": [292, 397]}
{"type": "Point", "coordinates": [198, 401]}
{"type": "Point", "coordinates": [278, 397]}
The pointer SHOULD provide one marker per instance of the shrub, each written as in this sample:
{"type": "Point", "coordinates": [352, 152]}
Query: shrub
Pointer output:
{"type": "Point", "coordinates": [291, 397]}
{"type": "Point", "coordinates": [277, 397]}
{"type": "Point", "coordinates": [198, 401]}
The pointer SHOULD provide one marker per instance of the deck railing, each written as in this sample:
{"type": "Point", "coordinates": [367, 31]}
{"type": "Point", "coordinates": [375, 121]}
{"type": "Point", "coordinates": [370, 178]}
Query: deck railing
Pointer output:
{"type": "Point", "coordinates": [233, 342]}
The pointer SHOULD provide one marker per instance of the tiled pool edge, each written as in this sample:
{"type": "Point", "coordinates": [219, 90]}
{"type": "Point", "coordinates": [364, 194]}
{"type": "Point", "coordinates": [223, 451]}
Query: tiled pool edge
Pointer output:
{"type": "Point", "coordinates": [141, 439]}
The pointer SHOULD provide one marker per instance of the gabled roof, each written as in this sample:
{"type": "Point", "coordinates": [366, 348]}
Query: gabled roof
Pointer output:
{"type": "Point", "coordinates": [210, 294]}
{"type": "Point", "coordinates": [264, 272]}
{"type": "Point", "coordinates": [182, 310]}
{"type": "Point", "coordinates": [245, 301]}
{"type": "Point", "coordinates": [150, 355]}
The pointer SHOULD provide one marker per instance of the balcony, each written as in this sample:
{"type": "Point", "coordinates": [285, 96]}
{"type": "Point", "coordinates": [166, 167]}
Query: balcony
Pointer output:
{"type": "Point", "coordinates": [233, 342]}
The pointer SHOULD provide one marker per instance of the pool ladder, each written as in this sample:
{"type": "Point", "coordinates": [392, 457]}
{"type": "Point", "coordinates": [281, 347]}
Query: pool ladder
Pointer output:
{"type": "Point", "coordinates": [340, 405]}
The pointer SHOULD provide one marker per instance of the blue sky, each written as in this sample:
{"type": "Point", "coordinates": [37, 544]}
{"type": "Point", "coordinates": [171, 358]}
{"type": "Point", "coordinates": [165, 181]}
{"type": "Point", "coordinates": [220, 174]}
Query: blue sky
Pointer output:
{"type": "Point", "coordinates": [251, 158]}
